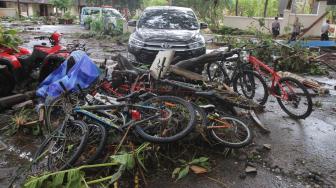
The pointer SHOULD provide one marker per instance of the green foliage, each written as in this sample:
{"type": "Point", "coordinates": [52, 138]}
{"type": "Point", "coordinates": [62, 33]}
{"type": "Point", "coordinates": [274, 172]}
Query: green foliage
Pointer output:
{"type": "Point", "coordinates": [295, 59]}
{"type": "Point", "coordinates": [61, 4]}
{"type": "Point", "coordinates": [183, 170]}
{"type": "Point", "coordinates": [67, 16]}
{"type": "Point", "coordinates": [75, 177]}
{"type": "Point", "coordinates": [19, 119]}
{"type": "Point", "coordinates": [97, 24]}
{"type": "Point", "coordinates": [148, 3]}
{"type": "Point", "coordinates": [9, 38]}
{"type": "Point", "coordinates": [223, 30]}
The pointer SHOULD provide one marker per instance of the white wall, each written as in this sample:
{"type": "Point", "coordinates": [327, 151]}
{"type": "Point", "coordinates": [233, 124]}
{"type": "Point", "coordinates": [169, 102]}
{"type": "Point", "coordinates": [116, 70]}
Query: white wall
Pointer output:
{"type": "Point", "coordinates": [11, 12]}
{"type": "Point", "coordinates": [242, 22]}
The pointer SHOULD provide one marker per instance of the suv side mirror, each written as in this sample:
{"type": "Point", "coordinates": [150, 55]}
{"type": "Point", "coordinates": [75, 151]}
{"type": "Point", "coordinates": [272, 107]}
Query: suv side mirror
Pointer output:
{"type": "Point", "coordinates": [132, 23]}
{"type": "Point", "coordinates": [203, 25]}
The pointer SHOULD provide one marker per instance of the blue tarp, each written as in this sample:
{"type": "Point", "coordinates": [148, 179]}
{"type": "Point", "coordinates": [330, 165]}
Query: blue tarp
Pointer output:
{"type": "Point", "coordinates": [83, 72]}
{"type": "Point", "coordinates": [314, 43]}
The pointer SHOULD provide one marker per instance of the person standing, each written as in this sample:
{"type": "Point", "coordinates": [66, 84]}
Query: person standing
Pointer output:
{"type": "Point", "coordinates": [296, 29]}
{"type": "Point", "coordinates": [276, 28]}
{"type": "Point", "coordinates": [325, 31]}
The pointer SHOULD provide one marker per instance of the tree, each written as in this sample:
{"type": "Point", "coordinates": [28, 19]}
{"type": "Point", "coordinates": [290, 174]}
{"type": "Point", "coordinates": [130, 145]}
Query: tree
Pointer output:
{"type": "Point", "coordinates": [19, 8]}
{"type": "Point", "coordinates": [236, 8]}
{"type": "Point", "coordinates": [61, 4]}
{"type": "Point", "coordinates": [265, 8]}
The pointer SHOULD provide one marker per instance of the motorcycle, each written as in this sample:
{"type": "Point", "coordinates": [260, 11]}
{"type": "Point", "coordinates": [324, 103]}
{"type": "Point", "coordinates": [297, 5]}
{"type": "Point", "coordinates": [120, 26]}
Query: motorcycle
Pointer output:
{"type": "Point", "coordinates": [21, 67]}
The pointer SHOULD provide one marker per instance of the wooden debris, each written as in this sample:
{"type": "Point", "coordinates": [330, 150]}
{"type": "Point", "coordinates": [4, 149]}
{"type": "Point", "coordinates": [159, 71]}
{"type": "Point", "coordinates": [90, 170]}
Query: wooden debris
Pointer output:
{"type": "Point", "coordinates": [307, 82]}
{"type": "Point", "coordinates": [3, 146]}
{"type": "Point", "coordinates": [25, 104]}
{"type": "Point", "coordinates": [186, 73]}
{"type": "Point", "coordinates": [250, 169]}
{"type": "Point", "coordinates": [268, 146]}
{"type": "Point", "coordinates": [258, 122]}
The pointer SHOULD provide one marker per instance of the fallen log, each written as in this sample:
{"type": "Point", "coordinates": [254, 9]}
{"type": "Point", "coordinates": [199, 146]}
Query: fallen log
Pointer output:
{"type": "Point", "coordinates": [200, 61]}
{"type": "Point", "coordinates": [186, 73]}
{"type": "Point", "coordinates": [6, 102]}
{"type": "Point", "coordinates": [306, 82]}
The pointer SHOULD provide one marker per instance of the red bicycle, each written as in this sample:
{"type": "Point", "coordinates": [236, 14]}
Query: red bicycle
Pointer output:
{"type": "Point", "coordinates": [292, 96]}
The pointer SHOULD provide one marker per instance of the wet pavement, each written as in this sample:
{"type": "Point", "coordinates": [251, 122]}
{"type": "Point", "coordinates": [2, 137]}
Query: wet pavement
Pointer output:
{"type": "Point", "coordinates": [302, 154]}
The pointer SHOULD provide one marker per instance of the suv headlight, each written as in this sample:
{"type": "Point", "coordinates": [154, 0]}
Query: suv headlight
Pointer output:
{"type": "Point", "coordinates": [136, 42]}
{"type": "Point", "coordinates": [199, 44]}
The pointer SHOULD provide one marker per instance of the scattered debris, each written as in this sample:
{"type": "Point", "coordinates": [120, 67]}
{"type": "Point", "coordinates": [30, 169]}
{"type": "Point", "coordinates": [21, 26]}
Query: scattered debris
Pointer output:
{"type": "Point", "coordinates": [307, 82]}
{"type": "Point", "coordinates": [250, 170]}
{"type": "Point", "coordinates": [3, 146]}
{"type": "Point", "coordinates": [6, 102]}
{"type": "Point", "coordinates": [25, 104]}
{"type": "Point", "coordinates": [267, 146]}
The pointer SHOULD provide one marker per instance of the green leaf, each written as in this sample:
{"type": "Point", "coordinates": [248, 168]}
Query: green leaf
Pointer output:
{"type": "Point", "coordinates": [126, 159]}
{"type": "Point", "coordinates": [175, 172]}
{"type": "Point", "coordinates": [184, 172]}
{"type": "Point", "coordinates": [11, 32]}
{"type": "Point", "coordinates": [36, 182]}
{"type": "Point", "coordinates": [74, 178]}
{"type": "Point", "coordinates": [199, 160]}
{"type": "Point", "coordinates": [118, 174]}
{"type": "Point", "coordinates": [182, 161]}
{"type": "Point", "coordinates": [58, 180]}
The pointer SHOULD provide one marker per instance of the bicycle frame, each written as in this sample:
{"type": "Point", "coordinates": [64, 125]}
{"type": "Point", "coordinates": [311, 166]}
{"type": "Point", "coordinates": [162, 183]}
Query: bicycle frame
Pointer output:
{"type": "Point", "coordinates": [86, 111]}
{"type": "Point", "coordinates": [269, 72]}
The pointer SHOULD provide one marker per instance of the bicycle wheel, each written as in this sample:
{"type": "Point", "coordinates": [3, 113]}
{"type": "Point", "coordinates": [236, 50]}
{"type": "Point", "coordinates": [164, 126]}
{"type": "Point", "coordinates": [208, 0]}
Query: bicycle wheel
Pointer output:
{"type": "Point", "coordinates": [62, 148]}
{"type": "Point", "coordinates": [294, 98]}
{"type": "Point", "coordinates": [57, 109]}
{"type": "Point", "coordinates": [172, 119]}
{"type": "Point", "coordinates": [216, 73]}
{"type": "Point", "coordinates": [95, 144]}
{"type": "Point", "coordinates": [251, 85]}
{"type": "Point", "coordinates": [228, 130]}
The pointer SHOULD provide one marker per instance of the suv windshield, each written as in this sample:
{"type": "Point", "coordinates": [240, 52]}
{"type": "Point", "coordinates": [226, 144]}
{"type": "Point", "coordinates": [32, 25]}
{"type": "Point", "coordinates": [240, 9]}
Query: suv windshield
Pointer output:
{"type": "Point", "coordinates": [168, 19]}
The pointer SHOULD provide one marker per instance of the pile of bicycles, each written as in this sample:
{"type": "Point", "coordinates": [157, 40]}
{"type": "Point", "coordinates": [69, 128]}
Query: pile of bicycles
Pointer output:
{"type": "Point", "coordinates": [162, 109]}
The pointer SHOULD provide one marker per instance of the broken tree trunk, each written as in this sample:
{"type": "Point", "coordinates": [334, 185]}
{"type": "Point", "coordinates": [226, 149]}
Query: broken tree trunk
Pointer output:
{"type": "Point", "coordinates": [6, 102]}
{"type": "Point", "coordinates": [185, 73]}
{"type": "Point", "coordinates": [307, 82]}
{"type": "Point", "coordinates": [194, 76]}
{"type": "Point", "coordinates": [312, 25]}
{"type": "Point", "coordinates": [200, 61]}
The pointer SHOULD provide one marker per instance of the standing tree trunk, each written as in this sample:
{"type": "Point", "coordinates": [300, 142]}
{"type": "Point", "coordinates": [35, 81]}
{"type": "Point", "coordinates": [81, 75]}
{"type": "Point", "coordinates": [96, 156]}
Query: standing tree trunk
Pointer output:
{"type": "Point", "coordinates": [79, 9]}
{"type": "Point", "coordinates": [265, 8]}
{"type": "Point", "coordinates": [19, 8]}
{"type": "Point", "coordinates": [289, 5]}
{"type": "Point", "coordinates": [236, 7]}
